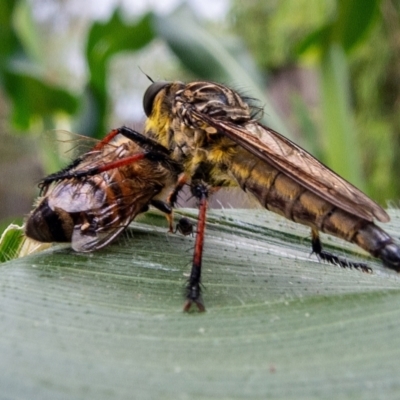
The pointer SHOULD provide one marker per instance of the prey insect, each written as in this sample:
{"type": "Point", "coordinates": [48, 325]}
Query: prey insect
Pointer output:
{"type": "Point", "coordinates": [214, 133]}
{"type": "Point", "coordinates": [90, 202]}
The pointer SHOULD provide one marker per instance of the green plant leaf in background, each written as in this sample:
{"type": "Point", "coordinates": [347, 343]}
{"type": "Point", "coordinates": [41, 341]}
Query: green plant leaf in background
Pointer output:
{"type": "Point", "coordinates": [299, 34]}
{"type": "Point", "coordinates": [210, 58]}
{"type": "Point", "coordinates": [9, 43]}
{"type": "Point", "coordinates": [311, 139]}
{"type": "Point", "coordinates": [350, 25]}
{"type": "Point", "coordinates": [342, 151]}
{"type": "Point", "coordinates": [342, 145]}
{"type": "Point", "coordinates": [14, 243]}
{"type": "Point", "coordinates": [279, 324]}
{"type": "Point", "coordinates": [33, 98]}
{"type": "Point", "coordinates": [353, 21]}
{"type": "Point", "coordinates": [104, 41]}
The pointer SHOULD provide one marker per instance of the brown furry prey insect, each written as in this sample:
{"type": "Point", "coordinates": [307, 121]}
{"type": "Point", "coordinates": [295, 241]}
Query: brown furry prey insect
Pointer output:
{"type": "Point", "coordinates": [94, 199]}
{"type": "Point", "coordinates": [212, 132]}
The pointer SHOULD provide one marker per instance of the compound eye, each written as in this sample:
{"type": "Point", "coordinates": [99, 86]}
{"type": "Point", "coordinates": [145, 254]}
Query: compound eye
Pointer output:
{"type": "Point", "coordinates": [150, 95]}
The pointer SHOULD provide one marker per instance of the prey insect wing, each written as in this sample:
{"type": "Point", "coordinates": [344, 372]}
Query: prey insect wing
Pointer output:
{"type": "Point", "coordinates": [92, 218]}
{"type": "Point", "coordinates": [67, 146]}
{"type": "Point", "coordinates": [72, 151]}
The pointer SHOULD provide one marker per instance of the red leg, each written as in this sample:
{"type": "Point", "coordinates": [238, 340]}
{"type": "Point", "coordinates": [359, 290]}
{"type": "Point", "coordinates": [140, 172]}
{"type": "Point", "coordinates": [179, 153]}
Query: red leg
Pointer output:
{"type": "Point", "coordinates": [111, 165]}
{"type": "Point", "coordinates": [68, 174]}
{"type": "Point", "coordinates": [107, 139]}
{"type": "Point", "coordinates": [193, 294]}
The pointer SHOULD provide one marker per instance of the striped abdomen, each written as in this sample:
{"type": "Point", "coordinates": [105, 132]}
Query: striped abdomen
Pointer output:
{"type": "Point", "coordinates": [283, 195]}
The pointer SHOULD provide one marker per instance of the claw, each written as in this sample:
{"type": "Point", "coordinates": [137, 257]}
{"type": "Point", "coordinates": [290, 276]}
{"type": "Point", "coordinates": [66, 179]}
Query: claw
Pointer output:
{"type": "Point", "coordinates": [199, 303]}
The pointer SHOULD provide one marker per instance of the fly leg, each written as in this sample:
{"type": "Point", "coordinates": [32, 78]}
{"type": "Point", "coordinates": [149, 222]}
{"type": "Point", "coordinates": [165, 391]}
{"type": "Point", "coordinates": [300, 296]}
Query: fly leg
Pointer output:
{"type": "Point", "coordinates": [65, 172]}
{"type": "Point", "coordinates": [193, 291]}
{"type": "Point", "coordinates": [69, 173]}
{"type": "Point", "coordinates": [331, 258]}
{"type": "Point", "coordinates": [143, 141]}
{"type": "Point", "coordinates": [173, 196]}
{"type": "Point", "coordinates": [151, 150]}
{"type": "Point", "coordinates": [167, 210]}
{"type": "Point", "coordinates": [184, 225]}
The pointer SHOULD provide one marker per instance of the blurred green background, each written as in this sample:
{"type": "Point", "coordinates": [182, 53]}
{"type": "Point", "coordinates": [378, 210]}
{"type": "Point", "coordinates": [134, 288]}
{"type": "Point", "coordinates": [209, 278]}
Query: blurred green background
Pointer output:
{"type": "Point", "coordinates": [327, 73]}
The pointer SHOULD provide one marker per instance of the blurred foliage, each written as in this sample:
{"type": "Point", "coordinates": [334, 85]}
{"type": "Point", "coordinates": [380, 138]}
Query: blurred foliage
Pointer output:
{"type": "Point", "coordinates": [104, 41]}
{"type": "Point", "coordinates": [277, 28]}
{"type": "Point", "coordinates": [216, 57]}
{"type": "Point", "coordinates": [375, 68]}
{"type": "Point", "coordinates": [33, 96]}
{"type": "Point", "coordinates": [356, 48]}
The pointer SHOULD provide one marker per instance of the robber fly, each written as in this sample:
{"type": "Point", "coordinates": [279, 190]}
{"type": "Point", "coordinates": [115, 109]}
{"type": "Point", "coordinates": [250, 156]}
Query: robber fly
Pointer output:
{"type": "Point", "coordinates": [90, 202]}
{"type": "Point", "coordinates": [215, 134]}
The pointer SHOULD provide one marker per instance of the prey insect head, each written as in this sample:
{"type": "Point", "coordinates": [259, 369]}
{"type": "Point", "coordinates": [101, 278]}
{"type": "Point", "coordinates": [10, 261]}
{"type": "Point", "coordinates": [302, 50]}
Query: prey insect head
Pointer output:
{"type": "Point", "coordinates": [150, 95]}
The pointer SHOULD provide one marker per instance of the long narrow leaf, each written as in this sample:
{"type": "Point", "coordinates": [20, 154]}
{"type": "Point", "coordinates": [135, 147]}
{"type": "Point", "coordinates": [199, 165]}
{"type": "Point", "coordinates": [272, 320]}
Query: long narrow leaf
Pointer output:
{"type": "Point", "coordinates": [342, 152]}
{"type": "Point", "coordinates": [279, 324]}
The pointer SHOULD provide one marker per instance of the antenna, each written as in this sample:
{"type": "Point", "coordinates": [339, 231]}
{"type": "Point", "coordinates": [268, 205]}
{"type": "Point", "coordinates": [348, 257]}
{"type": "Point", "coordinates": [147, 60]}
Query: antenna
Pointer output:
{"type": "Point", "coordinates": [148, 77]}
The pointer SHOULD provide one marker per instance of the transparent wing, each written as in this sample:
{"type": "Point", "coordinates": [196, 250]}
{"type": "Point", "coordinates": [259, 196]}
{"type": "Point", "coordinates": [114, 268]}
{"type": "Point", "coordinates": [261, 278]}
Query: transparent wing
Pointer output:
{"type": "Point", "coordinates": [97, 220]}
{"type": "Point", "coordinates": [298, 164]}
{"type": "Point", "coordinates": [65, 145]}
{"type": "Point", "coordinates": [74, 196]}
{"type": "Point", "coordinates": [105, 221]}
{"type": "Point", "coordinates": [84, 241]}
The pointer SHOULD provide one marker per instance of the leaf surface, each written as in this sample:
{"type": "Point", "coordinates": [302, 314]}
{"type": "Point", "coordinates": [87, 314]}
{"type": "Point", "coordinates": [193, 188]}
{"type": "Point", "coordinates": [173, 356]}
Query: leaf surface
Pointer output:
{"type": "Point", "coordinates": [279, 324]}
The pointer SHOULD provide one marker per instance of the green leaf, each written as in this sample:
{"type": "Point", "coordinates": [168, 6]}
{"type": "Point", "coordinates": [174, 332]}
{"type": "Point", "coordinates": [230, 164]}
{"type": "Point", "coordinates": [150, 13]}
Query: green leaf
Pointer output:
{"type": "Point", "coordinates": [318, 39]}
{"type": "Point", "coordinates": [348, 28]}
{"type": "Point", "coordinates": [25, 29]}
{"type": "Point", "coordinates": [342, 152]}
{"type": "Point", "coordinates": [353, 20]}
{"type": "Point", "coordinates": [32, 98]}
{"type": "Point", "coordinates": [308, 128]}
{"type": "Point", "coordinates": [209, 57]}
{"type": "Point", "coordinates": [14, 243]}
{"type": "Point", "coordinates": [279, 324]}
{"type": "Point", "coordinates": [10, 242]}
{"type": "Point", "coordinates": [105, 40]}
{"type": "Point", "coordinates": [9, 42]}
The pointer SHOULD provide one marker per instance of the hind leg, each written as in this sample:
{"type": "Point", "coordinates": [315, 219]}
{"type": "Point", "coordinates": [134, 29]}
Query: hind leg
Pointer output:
{"type": "Point", "coordinates": [332, 258]}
